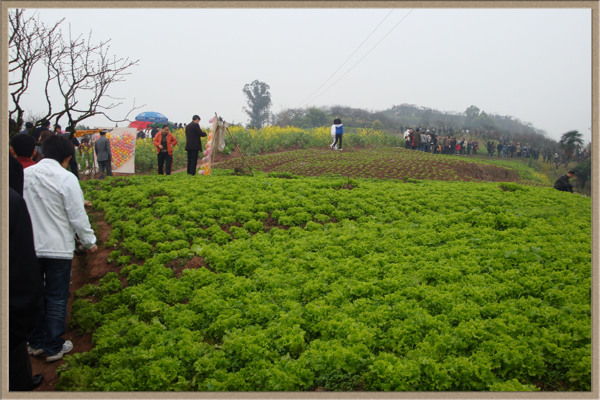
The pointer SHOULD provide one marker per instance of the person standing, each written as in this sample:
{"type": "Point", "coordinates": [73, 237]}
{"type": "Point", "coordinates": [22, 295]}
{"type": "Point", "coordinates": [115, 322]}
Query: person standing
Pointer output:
{"type": "Point", "coordinates": [336, 122]}
{"type": "Point", "coordinates": [40, 134]}
{"type": "Point", "coordinates": [58, 130]}
{"type": "Point", "coordinates": [44, 126]}
{"type": "Point", "coordinates": [55, 201]}
{"type": "Point", "coordinates": [103, 154]}
{"type": "Point", "coordinates": [164, 142]}
{"type": "Point", "coordinates": [563, 184]}
{"type": "Point", "coordinates": [339, 133]}
{"type": "Point", "coordinates": [15, 174]}
{"type": "Point", "coordinates": [22, 147]}
{"type": "Point", "coordinates": [153, 132]}
{"type": "Point", "coordinates": [407, 138]}
{"type": "Point", "coordinates": [26, 290]}
{"type": "Point", "coordinates": [193, 143]}
{"type": "Point", "coordinates": [434, 143]}
{"type": "Point", "coordinates": [416, 140]}
{"type": "Point", "coordinates": [28, 128]}
{"type": "Point", "coordinates": [70, 134]}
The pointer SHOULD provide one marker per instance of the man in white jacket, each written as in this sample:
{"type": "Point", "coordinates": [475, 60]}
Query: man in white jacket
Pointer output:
{"type": "Point", "coordinates": [56, 204]}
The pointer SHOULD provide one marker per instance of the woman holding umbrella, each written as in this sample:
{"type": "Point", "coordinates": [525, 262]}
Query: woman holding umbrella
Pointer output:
{"type": "Point", "coordinates": [164, 142]}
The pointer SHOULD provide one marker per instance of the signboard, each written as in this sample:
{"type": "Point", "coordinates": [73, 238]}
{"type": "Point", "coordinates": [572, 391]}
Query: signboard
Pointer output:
{"type": "Point", "coordinates": [122, 146]}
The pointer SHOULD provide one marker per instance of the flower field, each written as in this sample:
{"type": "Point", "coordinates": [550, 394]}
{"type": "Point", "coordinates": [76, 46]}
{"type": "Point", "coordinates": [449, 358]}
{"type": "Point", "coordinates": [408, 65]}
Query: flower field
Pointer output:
{"type": "Point", "coordinates": [259, 141]}
{"type": "Point", "coordinates": [239, 283]}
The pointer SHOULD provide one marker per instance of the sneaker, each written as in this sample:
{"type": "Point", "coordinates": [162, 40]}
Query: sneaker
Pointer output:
{"type": "Point", "coordinates": [36, 381]}
{"type": "Point", "coordinates": [34, 352]}
{"type": "Point", "coordinates": [67, 347]}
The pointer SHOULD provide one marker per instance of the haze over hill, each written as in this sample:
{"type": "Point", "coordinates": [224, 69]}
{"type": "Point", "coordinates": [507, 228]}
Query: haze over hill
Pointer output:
{"type": "Point", "coordinates": [197, 60]}
{"type": "Point", "coordinates": [397, 118]}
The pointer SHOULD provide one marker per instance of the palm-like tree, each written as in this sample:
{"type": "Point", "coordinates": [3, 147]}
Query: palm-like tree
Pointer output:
{"type": "Point", "coordinates": [570, 141]}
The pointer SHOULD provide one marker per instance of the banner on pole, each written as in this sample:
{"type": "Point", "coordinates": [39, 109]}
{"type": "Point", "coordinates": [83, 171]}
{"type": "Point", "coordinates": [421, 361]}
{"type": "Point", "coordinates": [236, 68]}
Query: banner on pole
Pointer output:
{"type": "Point", "coordinates": [215, 142]}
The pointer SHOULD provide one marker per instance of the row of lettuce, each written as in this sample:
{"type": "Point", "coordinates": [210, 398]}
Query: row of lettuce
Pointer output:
{"type": "Point", "coordinates": [264, 284]}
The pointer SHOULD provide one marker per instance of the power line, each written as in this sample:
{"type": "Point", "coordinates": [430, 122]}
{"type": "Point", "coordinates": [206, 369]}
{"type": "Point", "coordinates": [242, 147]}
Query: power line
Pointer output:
{"type": "Point", "coordinates": [363, 57]}
{"type": "Point", "coordinates": [350, 56]}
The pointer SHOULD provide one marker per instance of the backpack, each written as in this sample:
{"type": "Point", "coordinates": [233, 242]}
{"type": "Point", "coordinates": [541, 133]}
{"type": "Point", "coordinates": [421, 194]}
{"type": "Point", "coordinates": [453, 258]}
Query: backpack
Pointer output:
{"type": "Point", "coordinates": [339, 129]}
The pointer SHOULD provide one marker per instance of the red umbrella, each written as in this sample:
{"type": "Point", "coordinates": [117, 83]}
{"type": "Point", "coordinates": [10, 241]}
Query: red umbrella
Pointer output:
{"type": "Point", "coordinates": [139, 124]}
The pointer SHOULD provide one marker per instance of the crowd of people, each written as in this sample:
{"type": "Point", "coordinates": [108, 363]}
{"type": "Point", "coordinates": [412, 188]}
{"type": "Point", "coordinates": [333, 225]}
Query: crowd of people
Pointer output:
{"type": "Point", "coordinates": [151, 130]}
{"type": "Point", "coordinates": [47, 217]}
{"type": "Point", "coordinates": [508, 149]}
{"type": "Point", "coordinates": [427, 141]}
{"type": "Point", "coordinates": [48, 223]}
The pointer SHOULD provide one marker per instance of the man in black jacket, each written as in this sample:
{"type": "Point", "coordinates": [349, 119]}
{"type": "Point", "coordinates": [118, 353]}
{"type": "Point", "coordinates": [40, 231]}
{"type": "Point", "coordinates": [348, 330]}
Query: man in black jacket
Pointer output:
{"type": "Point", "coordinates": [563, 184]}
{"type": "Point", "coordinates": [193, 144]}
{"type": "Point", "coordinates": [25, 287]}
{"type": "Point", "coordinates": [44, 126]}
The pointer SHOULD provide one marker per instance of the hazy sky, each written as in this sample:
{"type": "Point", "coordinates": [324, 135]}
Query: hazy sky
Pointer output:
{"type": "Point", "coordinates": [532, 64]}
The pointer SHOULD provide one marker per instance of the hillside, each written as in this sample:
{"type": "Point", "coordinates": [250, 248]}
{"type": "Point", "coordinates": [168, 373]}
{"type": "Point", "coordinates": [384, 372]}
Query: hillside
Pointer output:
{"type": "Point", "coordinates": [398, 118]}
{"type": "Point", "coordinates": [278, 282]}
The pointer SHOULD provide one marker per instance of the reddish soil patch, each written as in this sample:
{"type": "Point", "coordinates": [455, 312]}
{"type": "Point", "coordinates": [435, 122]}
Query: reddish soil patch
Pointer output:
{"type": "Point", "coordinates": [319, 161]}
{"type": "Point", "coordinates": [179, 265]}
{"type": "Point", "coordinates": [89, 268]}
{"type": "Point", "coordinates": [485, 172]}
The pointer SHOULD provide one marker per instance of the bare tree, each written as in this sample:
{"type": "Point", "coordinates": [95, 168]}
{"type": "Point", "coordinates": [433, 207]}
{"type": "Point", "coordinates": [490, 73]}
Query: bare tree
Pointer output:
{"type": "Point", "coordinates": [78, 72]}
{"type": "Point", "coordinates": [83, 72]}
{"type": "Point", "coordinates": [25, 51]}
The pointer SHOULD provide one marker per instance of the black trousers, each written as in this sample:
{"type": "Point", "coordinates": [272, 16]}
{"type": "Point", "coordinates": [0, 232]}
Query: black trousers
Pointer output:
{"type": "Point", "coordinates": [19, 365]}
{"type": "Point", "coordinates": [73, 167]}
{"type": "Point", "coordinates": [162, 159]}
{"type": "Point", "coordinates": [192, 160]}
{"type": "Point", "coordinates": [105, 166]}
{"type": "Point", "coordinates": [338, 141]}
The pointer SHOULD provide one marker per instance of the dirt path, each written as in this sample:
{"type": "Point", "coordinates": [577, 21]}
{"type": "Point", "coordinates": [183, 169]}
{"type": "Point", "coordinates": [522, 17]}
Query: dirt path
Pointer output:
{"type": "Point", "coordinates": [88, 268]}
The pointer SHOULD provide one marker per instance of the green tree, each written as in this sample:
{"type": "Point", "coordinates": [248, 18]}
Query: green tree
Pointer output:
{"type": "Point", "coordinates": [259, 103]}
{"type": "Point", "coordinates": [472, 112]}
{"type": "Point", "coordinates": [569, 142]}
{"type": "Point", "coordinates": [583, 172]}
{"type": "Point", "coordinates": [483, 123]}
{"type": "Point", "coordinates": [316, 117]}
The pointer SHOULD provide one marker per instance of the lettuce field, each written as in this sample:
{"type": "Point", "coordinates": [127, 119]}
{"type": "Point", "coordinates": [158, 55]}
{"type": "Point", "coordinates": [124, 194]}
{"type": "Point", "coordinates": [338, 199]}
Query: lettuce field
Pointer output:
{"type": "Point", "coordinates": [260, 283]}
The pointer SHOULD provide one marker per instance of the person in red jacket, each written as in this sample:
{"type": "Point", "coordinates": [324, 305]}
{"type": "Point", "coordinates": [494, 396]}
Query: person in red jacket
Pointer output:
{"type": "Point", "coordinates": [164, 142]}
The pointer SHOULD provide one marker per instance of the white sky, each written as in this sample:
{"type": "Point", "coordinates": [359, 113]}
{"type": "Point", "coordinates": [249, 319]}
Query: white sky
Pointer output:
{"type": "Point", "coordinates": [532, 64]}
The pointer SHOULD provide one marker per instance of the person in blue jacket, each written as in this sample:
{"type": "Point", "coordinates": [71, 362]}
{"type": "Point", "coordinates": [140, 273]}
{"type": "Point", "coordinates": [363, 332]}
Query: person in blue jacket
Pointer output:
{"type": "Point", "coordinates": [339, 132]}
